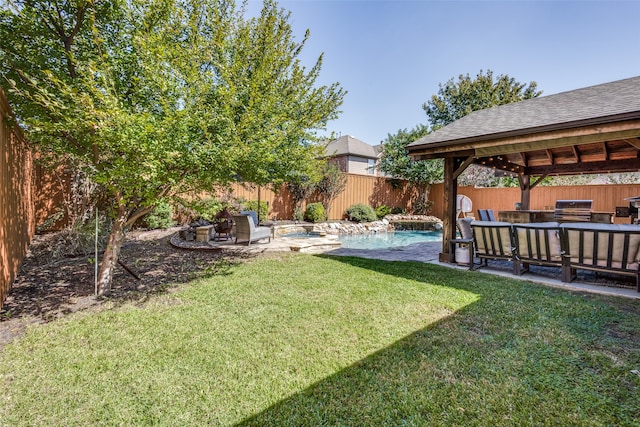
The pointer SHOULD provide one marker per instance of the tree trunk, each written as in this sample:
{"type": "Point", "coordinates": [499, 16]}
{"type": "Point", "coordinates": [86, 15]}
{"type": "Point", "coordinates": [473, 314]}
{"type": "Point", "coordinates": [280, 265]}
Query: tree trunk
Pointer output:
{"type": "Point", "coordinates": [426, 191]}
{"type": "Point", "coordinates": [112, 252]}
{"type": "Point", "coordinates": [422, 205]}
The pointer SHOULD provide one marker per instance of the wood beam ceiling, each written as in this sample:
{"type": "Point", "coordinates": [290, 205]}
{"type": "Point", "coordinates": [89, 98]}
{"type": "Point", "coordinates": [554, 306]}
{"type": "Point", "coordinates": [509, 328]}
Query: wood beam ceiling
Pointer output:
{"type": "Point", "coordinates": [635, 142]}
{"type": "Point", "coordinates": [500, 162]}
{"type": "Point", "coordinates": [549, 155]}
{"type": "Point", "coordinates": [575, 153]}
{"type": "Point", "coordinates": [605, 152]}
{"type": "Point", "coordinates": [606, 166]}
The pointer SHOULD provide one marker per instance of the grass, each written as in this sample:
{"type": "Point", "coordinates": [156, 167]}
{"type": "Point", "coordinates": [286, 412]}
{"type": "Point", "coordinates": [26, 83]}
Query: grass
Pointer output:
{"type": "Point", "coordinates": [309, 340]}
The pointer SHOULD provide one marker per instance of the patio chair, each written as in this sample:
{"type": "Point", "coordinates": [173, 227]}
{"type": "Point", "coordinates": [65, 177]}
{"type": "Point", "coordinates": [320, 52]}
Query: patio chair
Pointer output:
{"type": "Point", "coordinates": [610, 248]}
{"type": "Point", "coordinates": [493, 240]}
{"type": "Point", "coordinates": [247, 231]}
{"type": "Point", "coordinates": [486, 215]}
{"type": "Point", "coordinates": [538, 244]}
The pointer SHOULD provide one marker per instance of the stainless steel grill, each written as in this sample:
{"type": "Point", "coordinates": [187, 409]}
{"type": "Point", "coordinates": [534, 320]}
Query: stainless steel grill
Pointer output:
{"type": "Point", "coordinates": [573, 210]}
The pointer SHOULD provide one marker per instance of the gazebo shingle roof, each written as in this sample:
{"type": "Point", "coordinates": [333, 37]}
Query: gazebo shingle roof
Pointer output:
{"type": "Point", "coordinates": [608, 102]}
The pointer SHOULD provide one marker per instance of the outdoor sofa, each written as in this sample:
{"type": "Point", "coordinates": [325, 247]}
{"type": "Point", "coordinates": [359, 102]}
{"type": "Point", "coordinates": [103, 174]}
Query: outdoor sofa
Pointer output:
{"type": "Point", "coordinates": [610, 248]}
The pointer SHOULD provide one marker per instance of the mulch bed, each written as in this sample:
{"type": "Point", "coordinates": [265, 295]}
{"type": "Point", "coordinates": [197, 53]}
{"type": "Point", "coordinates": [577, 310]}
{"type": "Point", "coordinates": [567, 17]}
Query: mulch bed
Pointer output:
{"type": "Point", "coordinates": [50, 286]}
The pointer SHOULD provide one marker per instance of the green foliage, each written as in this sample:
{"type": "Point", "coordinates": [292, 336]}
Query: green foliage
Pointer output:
{"type": "Point", "coordinates": [382, 211]}
{"type": "Point", "coordinates": [206, 208]}
{"type": "Point", "coordinates": [480, 176]}
{"type": "Point", "coordinates": [300, 187]}
{"type": "Point", "coordinates": [315, 213]}
{"type": "Point", "coordinates": [160, 217]}
{"type": "Point", "coordinates": [397, 210]}
{"type": "Point", "coordinates": [298, 214]}
{"type": "Point", "coordinates": [457, 99]}
{"type": "Point", "coordinates": [154, 98]}
{"type": "Point", "coordinates": [333, 182]}
{"type": "Point", "coordinates": [361, 213]}
{"type": "Point", "coordinates": [395, 160]}
{"type": "Point", "coordinates": [453, 101]}
{"type": "Point", "coordinates": [422, 206]}
{"type": "Point", "coordinates": [252, 205]}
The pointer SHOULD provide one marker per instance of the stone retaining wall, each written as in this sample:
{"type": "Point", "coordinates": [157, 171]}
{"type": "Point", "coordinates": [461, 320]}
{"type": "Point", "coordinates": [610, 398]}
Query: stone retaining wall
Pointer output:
{"type": "Point", "coordinates": [389, 223]}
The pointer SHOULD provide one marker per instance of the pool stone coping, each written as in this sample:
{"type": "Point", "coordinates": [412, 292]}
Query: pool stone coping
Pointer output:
{"type": "Point", "coordinates": [327, 239]}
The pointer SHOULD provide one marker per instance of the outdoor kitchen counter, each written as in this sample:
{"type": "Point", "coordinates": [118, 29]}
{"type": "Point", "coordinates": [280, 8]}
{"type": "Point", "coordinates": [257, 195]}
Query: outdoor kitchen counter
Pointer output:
{"type": "Point", "coordinates": [519, 217]}
{"type": "Point", "coordinates": [526, 216]}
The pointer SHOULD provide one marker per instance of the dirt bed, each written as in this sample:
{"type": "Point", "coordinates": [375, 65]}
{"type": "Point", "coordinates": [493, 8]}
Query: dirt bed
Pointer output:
{"type": "Point", "coordinates": [49, 287]}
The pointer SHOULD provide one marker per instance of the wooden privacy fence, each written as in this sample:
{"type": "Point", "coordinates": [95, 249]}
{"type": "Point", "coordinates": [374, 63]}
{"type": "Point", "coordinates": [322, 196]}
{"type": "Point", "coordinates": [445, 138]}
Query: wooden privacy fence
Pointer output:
{"type": "Point", "coordinates": [605, 197]}
{"type": "Point", "coordinates": [369, 190]}
{"type": "Point", "coordinates": [376, 191]}
{"type": "Point", "coordinates": [17, 220]}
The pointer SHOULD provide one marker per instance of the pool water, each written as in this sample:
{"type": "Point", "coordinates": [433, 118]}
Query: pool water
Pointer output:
{"type": "Point", "coordinates": [389, 240]}
{"type": "Point", "coordinates": [301, 235]}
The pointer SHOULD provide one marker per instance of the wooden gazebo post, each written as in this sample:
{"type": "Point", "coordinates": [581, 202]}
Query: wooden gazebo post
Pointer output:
{"type": "Point", "coordinates": [525, 189]}
{"type": "Point", "coordinates": [453, 167]}
{"type": "Point", "coordinates": [448, 220]}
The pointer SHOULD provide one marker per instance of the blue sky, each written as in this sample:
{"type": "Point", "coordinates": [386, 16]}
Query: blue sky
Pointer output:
{"type": "Point", "coordinates": [391, 55]}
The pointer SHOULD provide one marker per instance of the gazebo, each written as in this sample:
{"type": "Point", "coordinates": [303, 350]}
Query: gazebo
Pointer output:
{"type": "Point", "coordinates": [589, 130]}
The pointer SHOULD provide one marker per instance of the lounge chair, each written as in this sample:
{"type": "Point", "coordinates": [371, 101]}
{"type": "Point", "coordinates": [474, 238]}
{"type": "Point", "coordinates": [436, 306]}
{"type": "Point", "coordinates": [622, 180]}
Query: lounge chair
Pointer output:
{"type": "Point", "coordinates": [247, 231]}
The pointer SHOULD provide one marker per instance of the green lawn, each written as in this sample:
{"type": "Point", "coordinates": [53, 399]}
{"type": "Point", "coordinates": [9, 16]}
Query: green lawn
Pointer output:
{"type": "Point", "coordinates": [301, 340]}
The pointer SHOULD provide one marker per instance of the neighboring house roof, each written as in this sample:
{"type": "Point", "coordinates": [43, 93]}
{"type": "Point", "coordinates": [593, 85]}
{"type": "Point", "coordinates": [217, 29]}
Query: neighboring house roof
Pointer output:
{"type": "Point", "coordinates": [604, 103]}
{"type": "Point", "coordinates": [350, 146]}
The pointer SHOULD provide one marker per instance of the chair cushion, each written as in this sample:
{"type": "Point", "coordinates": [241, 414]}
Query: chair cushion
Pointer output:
{"type": "Point", "coordinates": [492, 238]}
{"type": "Point", "coordinates": [464, 225]}
{"type": "Point", "coordinates": [532, 235]}
{"type": "Point", "coordinates": [603, 251]}
{"type": "Point", "coordinates": [252, 214]}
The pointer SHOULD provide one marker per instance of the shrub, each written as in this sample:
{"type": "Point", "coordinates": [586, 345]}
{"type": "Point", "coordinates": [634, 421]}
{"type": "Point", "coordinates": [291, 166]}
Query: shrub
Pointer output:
{"type": "Point", "coordinates": [78, 239]}
{"type": "Point", "coordinates": [205, 208]}
{"type": "Point", "coordinates": [252, 205]}
{"type": "Point", "coordinates": [382, 211]}
{"type": "Point", "coordinates": [298, 215]}
{"type": "Point", "coordinates": [397, 210]}
{"type": "Point", "coordinates": [361, 213]}
{"type": "Point", "coordinates": [315, 213]}
{"type": "Point", "coordinates": [422, 207]}
{"type": "Point", "coordinates": [160, 217]}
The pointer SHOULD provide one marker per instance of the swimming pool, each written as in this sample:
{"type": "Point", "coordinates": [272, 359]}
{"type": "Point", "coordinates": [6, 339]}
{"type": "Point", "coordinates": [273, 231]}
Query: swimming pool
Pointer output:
{"type": "Point", "coordinates": [388, 240]}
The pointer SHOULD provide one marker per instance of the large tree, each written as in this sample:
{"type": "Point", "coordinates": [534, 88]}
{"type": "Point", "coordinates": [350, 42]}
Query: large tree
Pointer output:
{"type": "Point", "coordinates": [457, 99]}
{"type": "Point", "coordinates": [453, 101]}
{"type": "Point", "coordinates": [151, 98]}
{"type": "Point", "coordinates": [395, 162]}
